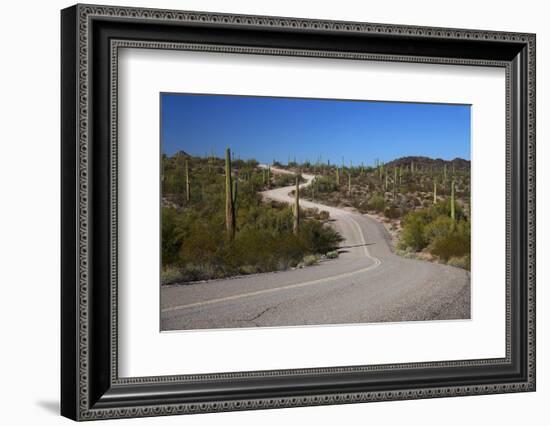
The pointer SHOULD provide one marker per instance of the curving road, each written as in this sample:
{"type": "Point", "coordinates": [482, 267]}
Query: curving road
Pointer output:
{"type": "Point", "coordinates": [367, 283]}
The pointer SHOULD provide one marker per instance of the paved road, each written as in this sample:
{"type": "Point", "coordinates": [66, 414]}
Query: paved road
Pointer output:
{"type": "Point", "coordinates": [367, 283]}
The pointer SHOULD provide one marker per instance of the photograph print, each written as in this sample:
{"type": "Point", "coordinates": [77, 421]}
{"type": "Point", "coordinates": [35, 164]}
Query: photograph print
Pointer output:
{"type": "Point", "coordinates": [279, 211]}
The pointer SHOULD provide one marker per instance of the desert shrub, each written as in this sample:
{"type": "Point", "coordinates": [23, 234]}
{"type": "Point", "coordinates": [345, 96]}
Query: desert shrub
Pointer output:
{"type": "Point", "coordinates": [170, 243]}
{"type": "Point", "coordinates": [333, 254]}
{"type": "Point", "coordinates": [392, 212]}
{"type": "Point", "coordinates": [325, 184]}
{"type": "Point", "coordinates": [313, 212]}
{"type": "Point", "coordinates": [200, 245]}
{"type": "Point", "coordinates": [361, 205]}
{"type": "Point", "coordinates": [460, 262]}
{"type": "Point", "coordinates": [443, 208]}
{"type": "Point", "coordinates": [415, 201]}
{"type": "Point", "coordinates": [286, 179]}
{"type": "Point", "coordinates": [440, 227]}
{"type": "Point", "coordinates": [413, 234]}
{"type": "Point", "coordinates": [317, 237]}
{"type": "Point", "coordinates": [323, 215]}
{"type": "Point", "coordinates": [377, 203]}
{"type": "Point", "coordinates": [452, 245]}
{"type": "Point", "coordinates": [171, 275]}
{"type": "Point", "coordinates": [456, 243]}
{"type": "Point", "coordinates": [434, 229]}
{"type": "Point", "coordinates": [310, 260]}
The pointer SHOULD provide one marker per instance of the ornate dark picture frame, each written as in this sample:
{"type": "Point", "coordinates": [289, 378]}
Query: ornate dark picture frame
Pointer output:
{"type": "Point", "coordinates": [91, 37]}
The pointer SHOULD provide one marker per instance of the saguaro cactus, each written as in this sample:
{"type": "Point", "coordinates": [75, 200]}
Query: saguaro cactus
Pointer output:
{"type": "Point", "coordinates": [386, 184]}
{"type": "Point", "coordinates": [337, 177]}
{"type": "Point", "coordinates": [187, 183]}
{"type": "Point", "coordinates": [453, 200]}
{"type": "Point", "coordinates": [296, 227]}
{"type": "Point", "coordinates": [349, 183]}
{"type": "Point", "coordinates": [268, 176]}
{"type": "Point", "coordinates": [229, 200]}
{"type": "Point", "coordinates": [435, 191]}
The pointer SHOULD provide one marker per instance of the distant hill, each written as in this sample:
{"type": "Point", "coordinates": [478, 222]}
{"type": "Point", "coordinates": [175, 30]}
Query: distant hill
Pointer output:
{"type": "Point", "coordinates": [426, 162]}
{"type": "Point", "coordinates": [180, 153]}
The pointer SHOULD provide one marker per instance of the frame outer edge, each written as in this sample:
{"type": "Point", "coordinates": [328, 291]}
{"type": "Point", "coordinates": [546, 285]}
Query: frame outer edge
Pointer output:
{"type": "Point", "coordinates": [83, 13]}
{"type": "Point", "coordinates": [69, 287]}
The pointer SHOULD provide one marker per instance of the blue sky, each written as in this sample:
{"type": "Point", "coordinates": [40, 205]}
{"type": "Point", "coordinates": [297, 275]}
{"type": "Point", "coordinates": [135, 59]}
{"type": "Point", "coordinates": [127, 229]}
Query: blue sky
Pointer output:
{"type": "Point", "coordinates": [267, 128]}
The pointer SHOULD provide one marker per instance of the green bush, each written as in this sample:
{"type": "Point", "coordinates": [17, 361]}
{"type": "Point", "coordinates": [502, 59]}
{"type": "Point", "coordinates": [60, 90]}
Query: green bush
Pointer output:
{"type": "Point", "coordinates": [286, 179]}
{"type": "Point", "coordinates": [324, 184]}
{"type": "Point", "coordinates": [456, 243]}
{"type": "Point", "coordinates": [433, 229]}
{"type": "Point", "coordinates": [171, 275]}
{"type": "Point", "coordinates": [323, 215]}
{"type": "Point", "coordinates": [412, 234]}
{"type": "Point", "coordinates": [332, 254]}
{"type": "Point", "coordinates": [377, 203]}
{"type": "Point", "coordinates": [392, 212]}
{"type": "Point", "coordinates": [460, 262]}
{"type": "Point", "coordinates": [441, 226]}
{"type": "Point", "coordinates": [310, 260]}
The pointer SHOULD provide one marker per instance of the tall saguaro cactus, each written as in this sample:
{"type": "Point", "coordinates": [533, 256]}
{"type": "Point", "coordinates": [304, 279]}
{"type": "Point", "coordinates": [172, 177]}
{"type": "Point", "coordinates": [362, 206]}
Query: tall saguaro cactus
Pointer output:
{"type": "Point", "coordinates": [229, 200]}
{"type": "Point", "coordinates": [435, 191]}
{"type": "Point", "coordinates": [337, 177]}
{"type": "Point", "coordinates": [296, 227]}
{"type": "Point", "coordinates": [453, 200]}
{"type": "Point", "coordinates": [187, 183]}
{"type": "Point", "coordinates": [349, 183]}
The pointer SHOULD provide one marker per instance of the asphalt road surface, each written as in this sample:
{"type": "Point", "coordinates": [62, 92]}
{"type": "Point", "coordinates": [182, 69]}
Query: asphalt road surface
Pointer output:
{"type": "Point", "coordinates": [367, 283]}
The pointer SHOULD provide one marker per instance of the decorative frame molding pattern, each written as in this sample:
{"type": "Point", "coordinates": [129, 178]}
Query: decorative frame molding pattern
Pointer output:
{"type": "Point", "coordinates": [91, 388]}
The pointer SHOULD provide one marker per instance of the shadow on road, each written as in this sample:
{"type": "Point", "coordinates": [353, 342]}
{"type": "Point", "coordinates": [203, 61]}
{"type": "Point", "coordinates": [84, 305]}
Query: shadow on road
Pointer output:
{"type": "Point", "coordinates": [356, 245]}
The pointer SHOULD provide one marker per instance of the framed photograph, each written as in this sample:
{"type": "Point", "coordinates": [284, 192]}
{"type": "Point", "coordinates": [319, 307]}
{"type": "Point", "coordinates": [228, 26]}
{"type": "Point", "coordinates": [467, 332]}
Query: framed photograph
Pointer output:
{"type": "Point", "coordinates": [263, 212]}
